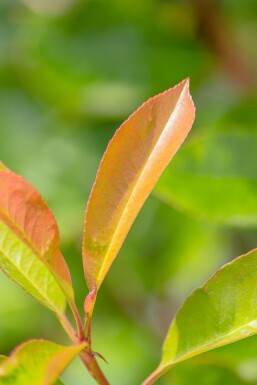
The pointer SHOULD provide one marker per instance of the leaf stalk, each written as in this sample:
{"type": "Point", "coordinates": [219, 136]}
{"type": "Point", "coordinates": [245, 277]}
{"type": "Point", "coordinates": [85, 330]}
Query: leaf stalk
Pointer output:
{"type": "Point", "coordinates": [153, 377]}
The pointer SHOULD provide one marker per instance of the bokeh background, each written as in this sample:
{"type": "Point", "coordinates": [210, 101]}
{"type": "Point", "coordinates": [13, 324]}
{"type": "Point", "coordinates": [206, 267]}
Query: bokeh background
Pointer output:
{"type": "Point", "coordinates": [70, 72]}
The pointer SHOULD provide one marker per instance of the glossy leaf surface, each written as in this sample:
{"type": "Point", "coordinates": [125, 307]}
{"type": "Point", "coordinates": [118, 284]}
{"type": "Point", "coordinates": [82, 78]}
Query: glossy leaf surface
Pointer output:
{"type": "Point", "coordinates": [222, 311]}
{"type": "Point", "coordinates": [29, 243]}
{"type": "Point", "coordinates": [215, 178]}
{"type": "Point", "coordinates": [37, 362]}
{"type": "Point", "coordinates": [134, 160]}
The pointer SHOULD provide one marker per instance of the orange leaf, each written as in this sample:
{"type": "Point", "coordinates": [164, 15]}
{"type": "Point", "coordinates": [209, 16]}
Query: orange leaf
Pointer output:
{"type": "Point", "coordinates": [26, 214]}
{"type": "Point", "coordinates": [134, 160]}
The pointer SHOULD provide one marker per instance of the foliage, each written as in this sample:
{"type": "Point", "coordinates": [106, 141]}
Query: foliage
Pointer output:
{"type": "Point", "coordinates": [70, 72]}
{"type": "Point", "coordinates": [29, 247]}
{"type": "Point", "coordinates": [30, 255]}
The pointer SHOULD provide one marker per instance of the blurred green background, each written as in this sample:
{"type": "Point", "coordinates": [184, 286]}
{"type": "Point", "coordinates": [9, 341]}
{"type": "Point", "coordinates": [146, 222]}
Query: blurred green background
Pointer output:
{"type": "Point", "coordinates": [70, 72]}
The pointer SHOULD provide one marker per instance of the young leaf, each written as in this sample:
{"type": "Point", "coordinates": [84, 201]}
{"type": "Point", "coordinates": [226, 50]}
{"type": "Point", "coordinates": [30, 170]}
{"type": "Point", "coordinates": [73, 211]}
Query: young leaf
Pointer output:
{"type": "Point", "coordinates": [29, 243]}
{"type": "Point", "coordinates": [134, 160]}
{"type": "Point", "coordinates": [211, 178]}
{"type": "Point", "coordinates": [37, 362]}
{"type": "Point", "coordinates": [222, 311]}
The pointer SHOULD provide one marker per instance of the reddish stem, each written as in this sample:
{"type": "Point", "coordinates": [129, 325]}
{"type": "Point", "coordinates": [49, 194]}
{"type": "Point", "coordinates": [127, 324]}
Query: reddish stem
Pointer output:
{"type": "Point", "coordinates": [153, 377]}
{"type": "Point", "coordinates": [79, 325]}
{"type": "Point", "coordinates": [93, 368]}
{"type": "Point", "coordinates": [86, 355]}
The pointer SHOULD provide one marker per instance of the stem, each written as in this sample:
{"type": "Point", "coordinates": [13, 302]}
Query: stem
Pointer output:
{"type": "Point", "coordinates": [76, 314]}
{"type": "Point", "coordinates": [93, 368]}
{"type": "Point", "coordinates": [68, 328]}
{"type": "Point", "coordinates": [153, 377]}
{"type": "Point", "coordinates": [86, 356]}
{"type": "Point", "coordinates": [87, 329]}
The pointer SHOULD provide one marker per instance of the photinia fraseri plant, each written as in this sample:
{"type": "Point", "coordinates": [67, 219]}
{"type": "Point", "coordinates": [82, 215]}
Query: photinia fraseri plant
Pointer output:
{"type": "Point", "coordinates": [219, 313]}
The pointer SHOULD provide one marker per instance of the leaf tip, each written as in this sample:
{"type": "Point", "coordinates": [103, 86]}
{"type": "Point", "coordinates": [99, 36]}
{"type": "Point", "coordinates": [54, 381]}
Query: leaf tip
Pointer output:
{"type": "Point", "coordinates": [186, 87]}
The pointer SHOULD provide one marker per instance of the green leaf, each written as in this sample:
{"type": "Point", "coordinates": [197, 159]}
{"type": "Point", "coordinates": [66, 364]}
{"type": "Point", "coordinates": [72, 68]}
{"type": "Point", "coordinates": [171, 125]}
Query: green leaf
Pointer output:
{"type": "Point", "coordinates": [29, 243]}
{"type": "Point", "coordinates": [222, 311]}
{"type": "Point", "coordinates": [37, 362]}
{"type": "Point", "coordinates": [237, 352]}
{"type": "Point", "coordinates": [205, 373]}
{"type": "Point", "coordinates": [134, 160]}
{"type": "Point", "coordinates": [215, 178]}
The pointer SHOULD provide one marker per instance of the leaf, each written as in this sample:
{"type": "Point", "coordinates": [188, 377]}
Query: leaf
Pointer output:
{"type": "Point", "coordinates": [242, 350]}
{"type": "Point", "coordinates": [215, 178]}
{"type": "Point", "coordinates": [37, 362]}
{"type": "Point", "coordinates": [29, 243]}
{"type": "Point", "coordinates": [206, 373]}
{"type": "Point", "coordinates": [134, 160]}
{"type": "Point", "coordinates": [221, 312]}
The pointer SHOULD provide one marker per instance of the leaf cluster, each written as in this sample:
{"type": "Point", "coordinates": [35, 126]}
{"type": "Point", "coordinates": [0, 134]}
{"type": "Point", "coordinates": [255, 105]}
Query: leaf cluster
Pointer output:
{"type": "Point", "coordinates": [219, 313]}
